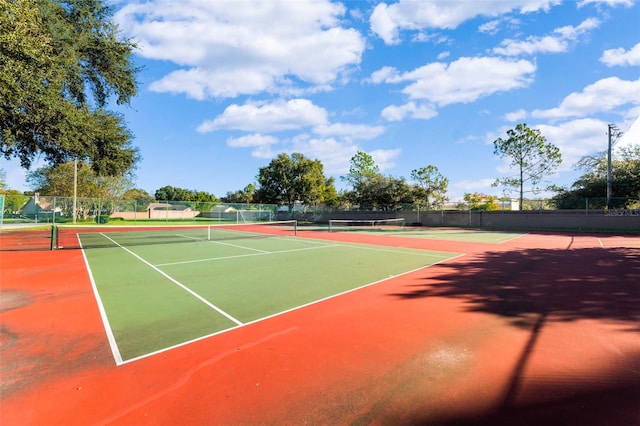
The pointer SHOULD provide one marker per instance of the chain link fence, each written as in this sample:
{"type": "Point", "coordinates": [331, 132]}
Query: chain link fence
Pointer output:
{"type": "Point", "coordinates": [585, 213]}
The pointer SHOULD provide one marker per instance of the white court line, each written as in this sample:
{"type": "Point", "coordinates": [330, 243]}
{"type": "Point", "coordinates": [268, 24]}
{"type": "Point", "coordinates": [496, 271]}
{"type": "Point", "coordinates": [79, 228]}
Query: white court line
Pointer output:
{"type": "Point", "coordinates": [223, 244]}
{"type": "Point", "coordinates": [415, 252]}
{"type": "Point", "coordinates": [286, 311]}
{"type": "Point", "coordinates": [262, 253]}
{"type": "Point", "coordinates": [178, 283]}
{"type": "Point", "coordinates": [321, 244]}
{"type": "Point", "coordinates": [403, 250]}
{"type": "Point", "coordinates": [103, 313]}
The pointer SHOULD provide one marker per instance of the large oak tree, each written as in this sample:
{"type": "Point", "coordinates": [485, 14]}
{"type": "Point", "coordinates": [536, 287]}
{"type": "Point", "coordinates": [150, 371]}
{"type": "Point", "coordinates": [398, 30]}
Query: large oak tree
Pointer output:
{"type": "Point", "coordinates": [288, 179]}
{"type": "Point", "coordinates": [61, 62]}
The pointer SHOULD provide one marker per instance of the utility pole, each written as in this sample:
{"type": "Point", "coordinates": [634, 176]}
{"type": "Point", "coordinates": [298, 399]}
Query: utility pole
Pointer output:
{"type": "Point", "coordinates": [75, 189]}
{"type": "Point", "coordinates": [614, 133]}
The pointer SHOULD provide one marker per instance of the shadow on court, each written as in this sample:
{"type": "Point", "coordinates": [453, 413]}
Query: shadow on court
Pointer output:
{"type": "Point", "coordinates": [542, 291]}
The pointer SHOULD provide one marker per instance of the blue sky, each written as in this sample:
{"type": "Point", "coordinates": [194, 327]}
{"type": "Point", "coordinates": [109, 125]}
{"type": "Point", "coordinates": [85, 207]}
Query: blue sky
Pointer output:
{"type": "Point", "coordinates": [228, 85]}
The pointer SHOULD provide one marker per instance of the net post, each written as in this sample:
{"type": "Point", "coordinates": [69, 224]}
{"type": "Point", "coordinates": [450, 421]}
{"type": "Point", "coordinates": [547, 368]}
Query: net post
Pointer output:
{"type": "Point", "coordinates": [53, 237]}
{"type": "Point", "coordinates": [209, 233]}
{"type": "Point", "coordinates": [295, 227]}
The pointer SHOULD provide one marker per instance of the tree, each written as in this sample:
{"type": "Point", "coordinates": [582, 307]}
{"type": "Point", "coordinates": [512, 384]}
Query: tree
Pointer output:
{"type": "Point", "coordinates": [60, 63]}
{"type": "Point", "coordinates": [244, 196]}
{"type": "Point", "coordinates": [58, 181]}
{"type": "Point", "coordinates": [379, 192]}
{"type": "Point", "coordinates": [530, 153]}
{"type": "Point", "coordinates": [431, 186]}
{"type": "Point", "coordinates": [288, 179]}
{"type": "Point", "coordinates": [137, 194]}
{"type": "Point", "coordinates": [592, 185]}
{"type": "Point", "coordinates": [362, 167]}
{"type": "Point", "coordinates": [484, 202]}
{"type": "Point", "coordinates": [169, 193]}
{"type": "Point", "coordinates": [3, 181]}
{"type": "Point", "coordinates": [330, 196]}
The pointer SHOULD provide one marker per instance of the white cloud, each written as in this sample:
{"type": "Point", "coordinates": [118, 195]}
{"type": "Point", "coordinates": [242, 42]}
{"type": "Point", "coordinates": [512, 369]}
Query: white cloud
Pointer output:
{"type": "Point", "coordinates": [576, 139]}
{"type": "Point", "coordinates": [556, 43]}
{"type": "Point", "coordinates": [472, 186]}
{"type": "Point", "coordinates": [225, 50]}
{"type": "Point", "coordinates": [334, 154]}
{"type": "Point", "coordinates": [349, 131]}
{"type": "Point", "coordinates": [492, 27]}
{"type": "Point", "coordinates": [630, 135]}
{"type": "Point", "coordinates": [387, 21]}
{"type": "Point", "coordinates": [613, 57]}
{"type": "Point", "coordinates": [261, 144]}
{"type": "Point", "coordinates": [385, 158]}
{"type": "Point", "coordinates": [408, 110]}
{"type": "Point", "coordinates": [515, 115]}
{"type": "Point", "coordinates": [602, 96]}
{"type": "Point", "coordinates": [254, 140]}
{"type": "Point", "coordinates": [631, 114]}
{"type": "Point", "coordinates": [267, 117]}
{"type": "Point", "coordinates": [612, 3]}
{"type": "Point", "coordinates": [462, 81]}
{"type": "Point", "coordinates": [385, 74]}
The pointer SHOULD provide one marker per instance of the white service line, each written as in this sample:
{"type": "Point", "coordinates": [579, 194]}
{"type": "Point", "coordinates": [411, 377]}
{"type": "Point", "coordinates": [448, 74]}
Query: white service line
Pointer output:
{"type": "Point", "coordinates": [223, 244]}
{"type": "Point", "coordinates": [178, 283]}
{"type": "Point", "coordinates": [262, 253]}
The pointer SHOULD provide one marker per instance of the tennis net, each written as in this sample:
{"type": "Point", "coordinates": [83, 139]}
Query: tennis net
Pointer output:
{"type": "Point", "coordinates": [91, 236]}
{"type": "Point", "coordinates": [338, 225]}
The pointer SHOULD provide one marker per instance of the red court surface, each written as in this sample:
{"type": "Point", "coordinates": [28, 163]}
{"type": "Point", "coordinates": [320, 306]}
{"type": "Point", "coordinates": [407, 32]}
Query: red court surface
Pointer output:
{"type": "Point", "coordinates": [541, 330]}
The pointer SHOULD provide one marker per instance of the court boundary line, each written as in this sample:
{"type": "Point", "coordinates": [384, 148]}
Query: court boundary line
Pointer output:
{"type": "Point", "coordinates": [113, 343]}
{"type": "Point", "coordinates": [295, 308]}
{"type": "Point", "coordinates": [178, 283]}
{"type": "Point", "coordinates": [407, 251]}
{"type": "Point", "coordinates": [419, 234]}
{"type": "Point", "coordinates": [120, 361]}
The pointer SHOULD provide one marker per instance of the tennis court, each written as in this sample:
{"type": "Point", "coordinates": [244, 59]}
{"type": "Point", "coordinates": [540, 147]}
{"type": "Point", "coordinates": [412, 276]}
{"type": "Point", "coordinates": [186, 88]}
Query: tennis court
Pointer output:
{"type": "Point", "coordinates": [175, 285]}
{"type": "Point", "coordinates": [283, 324]}
{"type": "Point", "coordinates": [447, 234]}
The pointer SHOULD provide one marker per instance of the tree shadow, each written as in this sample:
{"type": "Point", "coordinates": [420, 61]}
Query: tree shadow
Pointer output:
{"type": "Point", "coordinates": [534, 287]}
{"type": "Point", "coordinates": [524, 285]}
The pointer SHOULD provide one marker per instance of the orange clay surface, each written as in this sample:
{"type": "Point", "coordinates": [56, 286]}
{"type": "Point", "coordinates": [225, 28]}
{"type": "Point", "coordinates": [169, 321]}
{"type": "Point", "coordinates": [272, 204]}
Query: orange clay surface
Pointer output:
{"type": "Point", "coordinates": [543, 329]}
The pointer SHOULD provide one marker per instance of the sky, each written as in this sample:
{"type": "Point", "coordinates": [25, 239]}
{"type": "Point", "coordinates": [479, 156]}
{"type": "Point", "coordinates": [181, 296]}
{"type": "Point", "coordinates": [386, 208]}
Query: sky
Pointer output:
{"type": "Point", "coordinates": [226, 86]}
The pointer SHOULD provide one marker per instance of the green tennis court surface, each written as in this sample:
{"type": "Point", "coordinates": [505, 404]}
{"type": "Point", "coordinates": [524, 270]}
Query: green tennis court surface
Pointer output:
{"type": "Point", "coordinates": [156, 296]}
{"type": "Point", "coordinates": [471, 236]}
{"type": "Point", "coordinates": [467, 235]}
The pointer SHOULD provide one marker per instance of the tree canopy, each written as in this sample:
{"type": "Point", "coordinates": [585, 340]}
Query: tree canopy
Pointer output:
{"type": "Point", "coordinates": [431, 186]}
{"type": "Point", "coordinates": [57, 180]}
{"type": "Point", "coordinates": [60, 63]}
{"type": "Point", "coordinates": [362, 167]}
{"type": "Point", "coordinates": [379, 192]}
{"type": "Point", "coordinates": [288, 179]}
{"type": "Point", "coordinates": [592, 185]}
{"type": "Point", "coordinates": [245, 195]}
{"type": "Point", "coordinates": [530, 154]}
{"type": "Point", "coordinates": [169, 193]}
